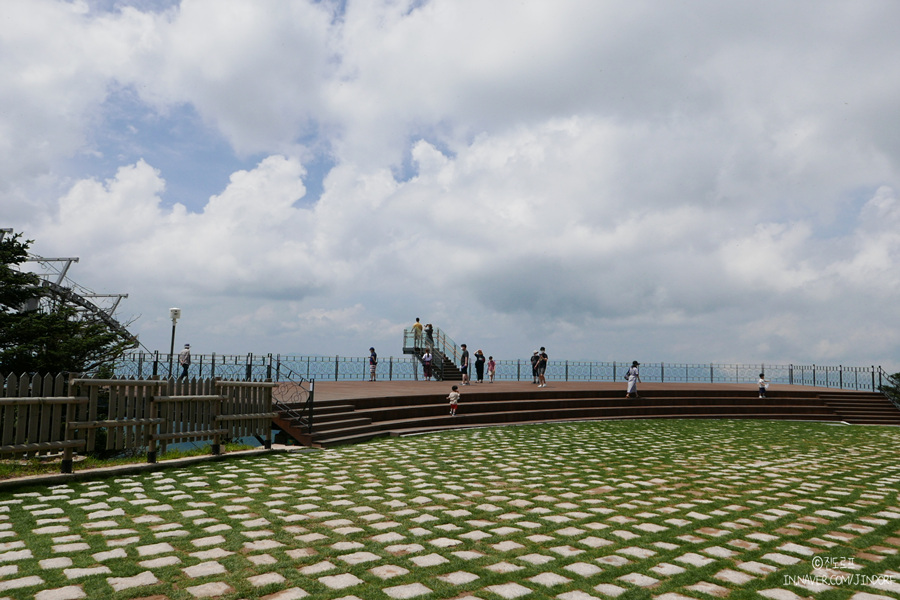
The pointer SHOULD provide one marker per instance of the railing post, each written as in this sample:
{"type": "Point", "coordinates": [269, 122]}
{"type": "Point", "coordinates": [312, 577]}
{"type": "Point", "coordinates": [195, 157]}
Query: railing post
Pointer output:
{"type": "Point", "coordinates": [518, 369]}
{"type": "Point", "coordinates": [151, 444]}
{"type": "Point", "coordinates": [873, 378]}
{"type": "Point", "coordinates": [336, 358]}
{"type": "Point", "coordinates": [791, 374]}
{"type": "Point", "coordinates": [390, 368]}
{"type": "Point", "coordinates": [841, 375]}
{"type": "Point", "coordinates": [248, 371]}
{"type": "Point", "coordinates": [217, 438]}
{"type": "Point", "coordinates": [614, 370]}
{"type": "Point", "coordinates": [155, 364]}
{"type": "Point", "coordinates": [212, 368]}
{"type": "Point", "coordinates": [269, 367]}
{"type": "Point", "coordinates": [662, 372]}
{"type": "Point", "coordinates": [278, 368]}
{"type": "Point", "coordinates": [68, 459]}
{"type": "Point", "coordinates": [567, 370]}
{"type": "Point", "coordinates": [711, 377]}
{"type": "Point", "coordinates": [309, 403]}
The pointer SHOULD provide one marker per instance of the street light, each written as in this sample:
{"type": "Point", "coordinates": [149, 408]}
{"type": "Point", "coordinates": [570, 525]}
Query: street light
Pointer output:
{"type": "Point", "coordinates": [175, 313]}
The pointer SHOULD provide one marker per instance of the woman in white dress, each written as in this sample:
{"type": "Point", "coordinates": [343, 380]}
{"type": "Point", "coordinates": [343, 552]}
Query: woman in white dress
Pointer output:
{"type": "Point", "coordinates": [633, 378]}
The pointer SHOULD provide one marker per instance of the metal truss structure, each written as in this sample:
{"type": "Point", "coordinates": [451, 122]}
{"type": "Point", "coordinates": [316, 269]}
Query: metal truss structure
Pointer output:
{"type": "Point", "coordinates": [61, 289]}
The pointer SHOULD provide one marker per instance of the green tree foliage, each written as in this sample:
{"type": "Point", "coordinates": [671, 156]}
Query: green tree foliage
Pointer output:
{"type": "Point", "coordinates": [53, 338]}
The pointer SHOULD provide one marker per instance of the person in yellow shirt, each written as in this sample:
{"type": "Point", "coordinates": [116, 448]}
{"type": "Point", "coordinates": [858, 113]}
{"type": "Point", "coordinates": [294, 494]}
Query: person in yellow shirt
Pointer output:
{"type": "Point", "coordinates": [417, 334]}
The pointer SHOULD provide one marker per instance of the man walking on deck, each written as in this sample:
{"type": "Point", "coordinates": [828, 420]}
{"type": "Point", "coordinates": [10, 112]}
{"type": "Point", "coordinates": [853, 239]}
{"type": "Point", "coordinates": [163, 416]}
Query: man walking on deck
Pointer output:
{"type": "Point", "coordinates": [184, 360]}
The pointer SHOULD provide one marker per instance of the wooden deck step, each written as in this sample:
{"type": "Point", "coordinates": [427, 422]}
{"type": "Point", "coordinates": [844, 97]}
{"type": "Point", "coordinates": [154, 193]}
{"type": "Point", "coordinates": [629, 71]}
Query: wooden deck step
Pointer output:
{"type": "Point", "coordinates": [366, 411]}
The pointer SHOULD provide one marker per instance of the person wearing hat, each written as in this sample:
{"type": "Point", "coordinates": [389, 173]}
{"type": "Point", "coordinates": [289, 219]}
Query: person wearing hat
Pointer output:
{"type": "Point", "coordinates": [633, 378]}
{"type": "Point", "coordinates": [184, 359]}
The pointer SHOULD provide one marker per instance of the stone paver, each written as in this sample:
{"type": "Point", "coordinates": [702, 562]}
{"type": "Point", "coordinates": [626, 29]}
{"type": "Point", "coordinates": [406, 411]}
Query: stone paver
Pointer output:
{"type": "Point", "coordinates": [141, 579]}
{"type": "Point", "coordinates": [388, 571]}
{"type": "Point", "coordinates": [509, 590]}
{"type": "Point", "coordinates": [639, 579]}
{"type": "Point", "coordinates": [210, 590]}
{"type": "Point", "coordinates": [339, 582]}
{"type": "Point", "coordinates": [600, 513]}
{"type": "Point", "coordinates": [69, 592]}
{"type": "Point", "coordinates": [401, 592]}
{"type": "Point", "coordinates": [608, 589]}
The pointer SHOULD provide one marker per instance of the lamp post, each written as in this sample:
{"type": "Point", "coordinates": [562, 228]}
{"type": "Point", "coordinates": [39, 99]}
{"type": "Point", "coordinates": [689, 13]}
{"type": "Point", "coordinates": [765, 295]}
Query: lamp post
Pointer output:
{"type": "Point", "coordinates": [175, 313]}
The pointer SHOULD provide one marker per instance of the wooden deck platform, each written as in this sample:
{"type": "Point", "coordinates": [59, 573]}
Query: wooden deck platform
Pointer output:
{"type": "Point", "coordinates": [351, 411]}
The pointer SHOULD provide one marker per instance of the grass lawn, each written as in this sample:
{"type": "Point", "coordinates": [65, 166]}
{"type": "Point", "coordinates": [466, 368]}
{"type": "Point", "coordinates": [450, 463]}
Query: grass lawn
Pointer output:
{"type": "Point", "coordinates": [630, 509]}
{"type": "Point", "coordinates": [16, 468]}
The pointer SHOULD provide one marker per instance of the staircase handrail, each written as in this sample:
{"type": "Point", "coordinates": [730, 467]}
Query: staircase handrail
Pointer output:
{"type": "Point", "coordinates": [305, 416]}
{"type": "Point", "coordinates": [446, 346]}
{"type": "Point", "coordinates": [439, 343]}
{"type": "Point", "coordinates": [882, 376]}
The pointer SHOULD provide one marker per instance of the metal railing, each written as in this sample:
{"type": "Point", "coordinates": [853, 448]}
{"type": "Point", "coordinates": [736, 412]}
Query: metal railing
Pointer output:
{"type": "Point", "coordinates": [295, 402]}
{"type": "Point", "coordinates": [888, 386]}
{"type": "Point", "coordinates": [438, 341]}
{"type": "Point", "coordinates": [407, 368]}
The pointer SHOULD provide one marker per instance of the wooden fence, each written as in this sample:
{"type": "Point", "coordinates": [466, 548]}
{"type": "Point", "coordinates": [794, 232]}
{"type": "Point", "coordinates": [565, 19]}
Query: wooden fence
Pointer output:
{"type": "Point", "coordinates": [42, 415]}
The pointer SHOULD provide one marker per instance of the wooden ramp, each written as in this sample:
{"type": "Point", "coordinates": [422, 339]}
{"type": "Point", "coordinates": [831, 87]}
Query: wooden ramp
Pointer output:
{"type": "Point", "coordinates": [347, 412]}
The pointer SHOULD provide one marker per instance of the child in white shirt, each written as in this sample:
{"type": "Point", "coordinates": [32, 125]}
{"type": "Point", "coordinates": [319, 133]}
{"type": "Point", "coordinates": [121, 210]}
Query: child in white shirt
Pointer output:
{"type": "Point", "coordinates": [454, 400]}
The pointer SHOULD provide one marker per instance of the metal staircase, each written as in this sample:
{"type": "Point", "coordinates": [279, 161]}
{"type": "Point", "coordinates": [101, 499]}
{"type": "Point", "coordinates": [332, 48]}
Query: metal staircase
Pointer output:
{"type": "Point", "coordinates": [445, 353]}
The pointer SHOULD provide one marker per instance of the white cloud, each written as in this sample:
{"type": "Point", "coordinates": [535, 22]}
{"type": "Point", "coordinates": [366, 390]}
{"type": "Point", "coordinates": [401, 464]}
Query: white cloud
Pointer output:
{"type": "Point", "coordinates": [687, 182]}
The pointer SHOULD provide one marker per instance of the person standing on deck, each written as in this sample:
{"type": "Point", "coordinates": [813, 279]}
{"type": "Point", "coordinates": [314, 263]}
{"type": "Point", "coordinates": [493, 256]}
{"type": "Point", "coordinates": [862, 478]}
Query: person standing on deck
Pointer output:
{"type": "Point", "coordinates": [373, 362]}
{"type": "Point", "coordinates": [633, 377]}
{"type": "Point", "coordinates": [464, 365]}
{"type": "Point", "coordinates": [429, 335]}
{"type": "Point", "coordinates": [543, 359]}
{"type": "Point", "coordinates": [417, 334]}
{"type": "Point", "coordinates": [479, 366]}
{"type": "Point", "coordinates": [426, 365]}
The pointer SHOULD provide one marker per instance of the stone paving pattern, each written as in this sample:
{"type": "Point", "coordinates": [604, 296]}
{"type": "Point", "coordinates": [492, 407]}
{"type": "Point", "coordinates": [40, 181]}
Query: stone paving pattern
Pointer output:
{"type": "Point", "coordinates": [579, 511]}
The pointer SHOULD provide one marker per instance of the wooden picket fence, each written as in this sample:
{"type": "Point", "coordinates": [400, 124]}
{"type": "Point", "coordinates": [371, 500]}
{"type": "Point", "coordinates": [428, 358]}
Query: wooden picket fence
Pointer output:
{"type": "Point", "coordinates": [46, 415]}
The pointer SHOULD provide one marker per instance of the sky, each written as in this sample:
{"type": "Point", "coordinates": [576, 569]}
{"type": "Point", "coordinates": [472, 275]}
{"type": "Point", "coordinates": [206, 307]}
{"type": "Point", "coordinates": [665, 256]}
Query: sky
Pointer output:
{"type": "Point", "coordinates": [684, 181]}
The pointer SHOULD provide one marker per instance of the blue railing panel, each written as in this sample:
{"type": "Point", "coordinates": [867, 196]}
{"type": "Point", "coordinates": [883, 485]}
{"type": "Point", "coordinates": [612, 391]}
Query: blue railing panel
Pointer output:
{"type": "Point", "coordinates": [407, 368]}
